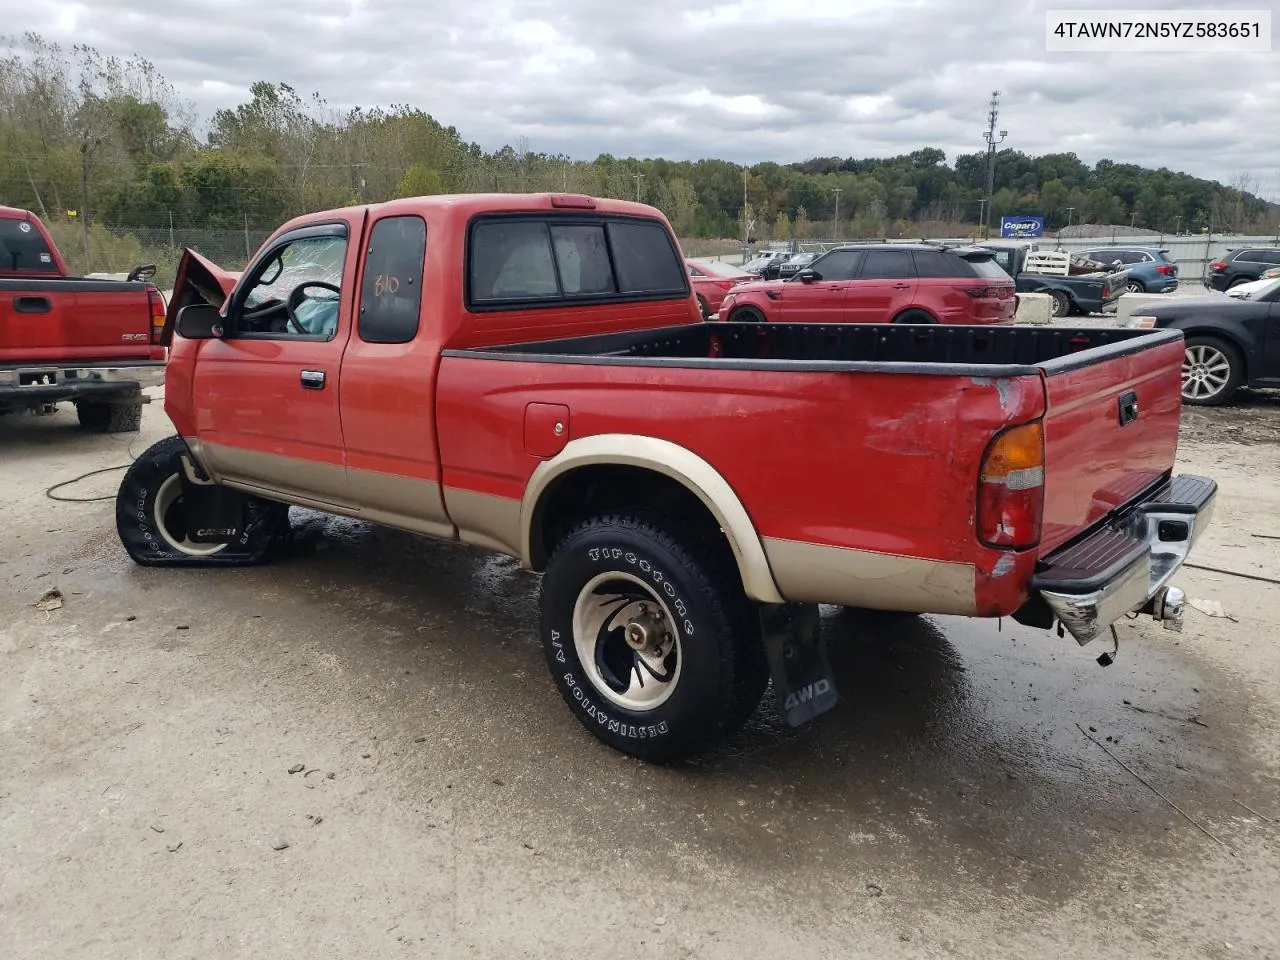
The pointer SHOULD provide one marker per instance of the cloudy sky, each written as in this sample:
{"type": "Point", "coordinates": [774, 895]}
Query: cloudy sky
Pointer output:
{"type": "Point", "coordinates": [744, 80]}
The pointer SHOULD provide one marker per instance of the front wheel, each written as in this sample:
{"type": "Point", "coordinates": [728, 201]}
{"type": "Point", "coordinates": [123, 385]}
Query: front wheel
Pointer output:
{"type": "Point", "coordinates": [1212, 371]}
{"type": "Point", "coordinates": [152, 521]}
{"type": "Point", "coordinates": [746, 315]}
{"type": "Point", "coordinates": [649, 642]}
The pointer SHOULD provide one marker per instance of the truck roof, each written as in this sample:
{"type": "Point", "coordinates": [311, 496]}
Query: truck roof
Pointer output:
{"type": "Point", "coordinates": [15, 213]}
{"type": "Point", "coordinates": [469, 204]}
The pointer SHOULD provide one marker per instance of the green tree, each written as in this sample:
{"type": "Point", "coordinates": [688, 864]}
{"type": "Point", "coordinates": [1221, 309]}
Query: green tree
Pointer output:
{"type": "Point", "coordinates": [419, 181]}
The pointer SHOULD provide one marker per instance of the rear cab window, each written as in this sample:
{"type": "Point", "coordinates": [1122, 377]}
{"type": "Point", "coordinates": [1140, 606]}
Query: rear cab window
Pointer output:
{"type": "Point", "coordinates": [522, 260]}
{"type": "Point", "coordinates": [22, 248]}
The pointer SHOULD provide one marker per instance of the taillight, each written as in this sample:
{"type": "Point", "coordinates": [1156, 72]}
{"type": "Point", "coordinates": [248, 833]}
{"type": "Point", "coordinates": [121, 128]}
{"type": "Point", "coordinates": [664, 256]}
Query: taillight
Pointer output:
{"type": "Point", "coordinates": [1164, 269]}
{"type": "Point", "coordinates": [157, 313]}
{"type": "Point", "coordinates": [1002, 292]}
{"type": "Point", "coordinates": [1011, 489]}
{"type": "Point", "coordinates": [1218, 265]}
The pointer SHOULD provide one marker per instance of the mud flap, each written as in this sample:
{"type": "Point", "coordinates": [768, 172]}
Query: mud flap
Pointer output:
{"type": "Point", "coordinates": [802, 680]}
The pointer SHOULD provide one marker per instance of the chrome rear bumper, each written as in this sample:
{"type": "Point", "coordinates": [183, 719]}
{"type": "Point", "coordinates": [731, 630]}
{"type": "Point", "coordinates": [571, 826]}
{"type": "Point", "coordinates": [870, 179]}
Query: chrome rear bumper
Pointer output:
{"type": "Point", "coordinates": [1125, 565]}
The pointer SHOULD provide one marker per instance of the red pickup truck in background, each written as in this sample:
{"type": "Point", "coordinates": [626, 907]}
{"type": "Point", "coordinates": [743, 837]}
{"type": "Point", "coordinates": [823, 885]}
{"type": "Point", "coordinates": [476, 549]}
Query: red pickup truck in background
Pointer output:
{"type": "Point", "coordinates": [93, 342]}
{"type": "Point", "coordinates": [529, 374]}
{"type": "Point", "coordinates": [882, 283]}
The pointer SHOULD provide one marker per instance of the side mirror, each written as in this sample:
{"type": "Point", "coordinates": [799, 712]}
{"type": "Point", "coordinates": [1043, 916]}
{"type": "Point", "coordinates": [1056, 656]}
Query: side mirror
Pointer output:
{"type": "Point", "coordinates": [808, 276]}
{"type": "Point", "coordinates": [199, 321]}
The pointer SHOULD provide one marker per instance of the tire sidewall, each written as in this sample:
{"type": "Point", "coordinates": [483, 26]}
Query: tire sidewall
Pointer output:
{"type": "Point", "coordinates": [1061, 304]}
{"type": "Point", "coordinates": [747, 315]}
{"type": "Point", "coordinates": [136, 522]}
{"type": "Point", "coordinates": [683, 717]}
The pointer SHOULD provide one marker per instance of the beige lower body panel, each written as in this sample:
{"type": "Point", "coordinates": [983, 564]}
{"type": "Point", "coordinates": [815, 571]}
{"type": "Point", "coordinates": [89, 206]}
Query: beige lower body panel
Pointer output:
{"type": "Point", "coordinates": [814, 573]}
{"type": "Point", "coordinates": [406, 503]}
{"type": "Point", "coordinates": [485, 520]}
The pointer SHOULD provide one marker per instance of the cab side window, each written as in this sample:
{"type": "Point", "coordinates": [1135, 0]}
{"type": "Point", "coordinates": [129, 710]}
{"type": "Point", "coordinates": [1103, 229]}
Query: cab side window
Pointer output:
{"type": "Point", "coordinates": [295, 290]}
{"type": "Point", "coordinates": [391, 290]}
{"type": "Point", "coordinates": [889, 265]}
{"type": "Point", "coordinates": [837, 265]}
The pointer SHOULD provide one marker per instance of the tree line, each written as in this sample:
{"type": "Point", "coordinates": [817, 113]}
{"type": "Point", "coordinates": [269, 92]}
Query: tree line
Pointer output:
{"type": "Point", "coordinates": [109, 141]}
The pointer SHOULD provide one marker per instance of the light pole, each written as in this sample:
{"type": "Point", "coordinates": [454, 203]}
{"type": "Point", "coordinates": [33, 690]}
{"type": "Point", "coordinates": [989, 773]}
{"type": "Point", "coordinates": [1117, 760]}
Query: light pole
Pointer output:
{"type": "Point", "coordinates": [638, 178]}
{"type": "Point", "coordinates": [835, 220]}
{"type": "Point", "coordinates": [990, 136]}
{"type": "Point", "coordinates": [1177, 226]}
{"type": "Point", "coordinates": [1069, 211]}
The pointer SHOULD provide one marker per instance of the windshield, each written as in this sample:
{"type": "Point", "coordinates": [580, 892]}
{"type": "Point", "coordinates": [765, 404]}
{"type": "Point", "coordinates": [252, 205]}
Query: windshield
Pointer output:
{"type": "Point", "coordinates": [1255, 289]}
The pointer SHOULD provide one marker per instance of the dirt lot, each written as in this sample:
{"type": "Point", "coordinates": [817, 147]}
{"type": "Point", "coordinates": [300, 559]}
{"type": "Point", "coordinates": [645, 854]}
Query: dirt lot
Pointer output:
{"type": "Point", "coordinates": [449, 806]}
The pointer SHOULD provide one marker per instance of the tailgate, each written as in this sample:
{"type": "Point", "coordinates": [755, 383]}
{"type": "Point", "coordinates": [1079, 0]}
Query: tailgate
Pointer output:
{"type": "Point", "coordinates": [64, 320]}
{"type": "Point", "coordinates": [1111, 431]}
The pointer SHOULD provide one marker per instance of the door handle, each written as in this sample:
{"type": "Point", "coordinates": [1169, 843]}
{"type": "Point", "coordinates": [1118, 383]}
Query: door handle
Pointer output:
{"type": "Point", "coordinates": [1128, 404]}
{"type": "Point", "coordinates": [901, 286]}
{"type": "Point", "coordinates": [32, 305]}
{"type": "Point", "coordinates": [312, 379]}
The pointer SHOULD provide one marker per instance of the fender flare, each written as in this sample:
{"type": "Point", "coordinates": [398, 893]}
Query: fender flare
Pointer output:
{"type": "Point", "coordinates": [671, 460]}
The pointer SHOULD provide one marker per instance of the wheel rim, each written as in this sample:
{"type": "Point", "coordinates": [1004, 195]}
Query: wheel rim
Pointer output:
{"type": "Point", "coordinates": [170, 519]}
{"type": "Point", "coordinates": [1134, 287]}
{"type": "Point", "coordinates": [1059, 306]}
{"type": "Point", "coordinates": [627, 641]}
{"type": "Point", "coordinates": [1205, 372]}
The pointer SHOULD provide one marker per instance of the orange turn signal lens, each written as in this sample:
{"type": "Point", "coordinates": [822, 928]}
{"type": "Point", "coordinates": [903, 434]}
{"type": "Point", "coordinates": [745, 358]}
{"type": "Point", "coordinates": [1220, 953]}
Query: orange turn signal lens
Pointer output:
{"type": "Point", "coordinates": [1015, 452]}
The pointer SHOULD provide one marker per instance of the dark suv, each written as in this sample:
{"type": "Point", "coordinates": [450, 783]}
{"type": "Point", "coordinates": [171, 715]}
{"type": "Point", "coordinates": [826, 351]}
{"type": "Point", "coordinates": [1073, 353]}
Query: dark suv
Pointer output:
{"type": "Point", "coordinates": [882, 283]}
{"type": "Point", "coordinates": [1241, 266]}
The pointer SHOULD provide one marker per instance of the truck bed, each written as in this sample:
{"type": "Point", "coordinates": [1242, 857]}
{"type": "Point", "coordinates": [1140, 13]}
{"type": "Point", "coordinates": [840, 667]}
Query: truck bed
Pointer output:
{"type": "Point", "coordinates": [864, 438]}
{"type": "Point", "coordinates": [979, 351]}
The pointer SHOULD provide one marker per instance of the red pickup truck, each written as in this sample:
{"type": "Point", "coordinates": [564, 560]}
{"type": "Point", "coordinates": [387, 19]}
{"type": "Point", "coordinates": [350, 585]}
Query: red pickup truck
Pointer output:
{"type": "Point", "coordinates": [93, 342]}
{"type": "Point", "coordinates": [529, 374]}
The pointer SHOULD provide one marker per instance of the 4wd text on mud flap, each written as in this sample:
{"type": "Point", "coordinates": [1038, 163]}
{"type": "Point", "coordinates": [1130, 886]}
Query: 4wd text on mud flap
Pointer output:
{"type": "Point", "coordinates": [807, 693]}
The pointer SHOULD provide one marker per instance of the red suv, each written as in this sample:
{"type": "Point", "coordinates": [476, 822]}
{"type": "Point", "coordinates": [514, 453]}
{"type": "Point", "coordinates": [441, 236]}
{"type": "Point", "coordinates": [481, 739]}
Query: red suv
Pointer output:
{"type": "Point", "coordinates": [883, 283]}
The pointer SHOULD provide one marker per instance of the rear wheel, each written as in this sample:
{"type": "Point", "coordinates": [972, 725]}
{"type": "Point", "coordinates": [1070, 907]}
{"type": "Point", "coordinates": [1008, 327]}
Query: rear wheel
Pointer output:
{"type": "Point", "coordinates": [704, 307]}
{"type": "Point", "coordinates": [1237, 281]}
{"type": "Point", "coordinates": [152, 521]}
{"type": "Point", "coordinates": [746, 315]}
{"type": "Point", "coordinates": [1061, 306]}
{"type": "Point", "coordinates": [110, 417]}
{"type": "Point", "coordinates": [649, 639]}
{"type": "Point", "coordinates": [914, 316]}
{"type": "Point", "coordinates": [1212, 371]}
{"type": "Point", "coordinates": [1134, 286]}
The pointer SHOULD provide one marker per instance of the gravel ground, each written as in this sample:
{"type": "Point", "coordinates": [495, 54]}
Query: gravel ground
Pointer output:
{"type": "Point", "coordinates": [445, 804]}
